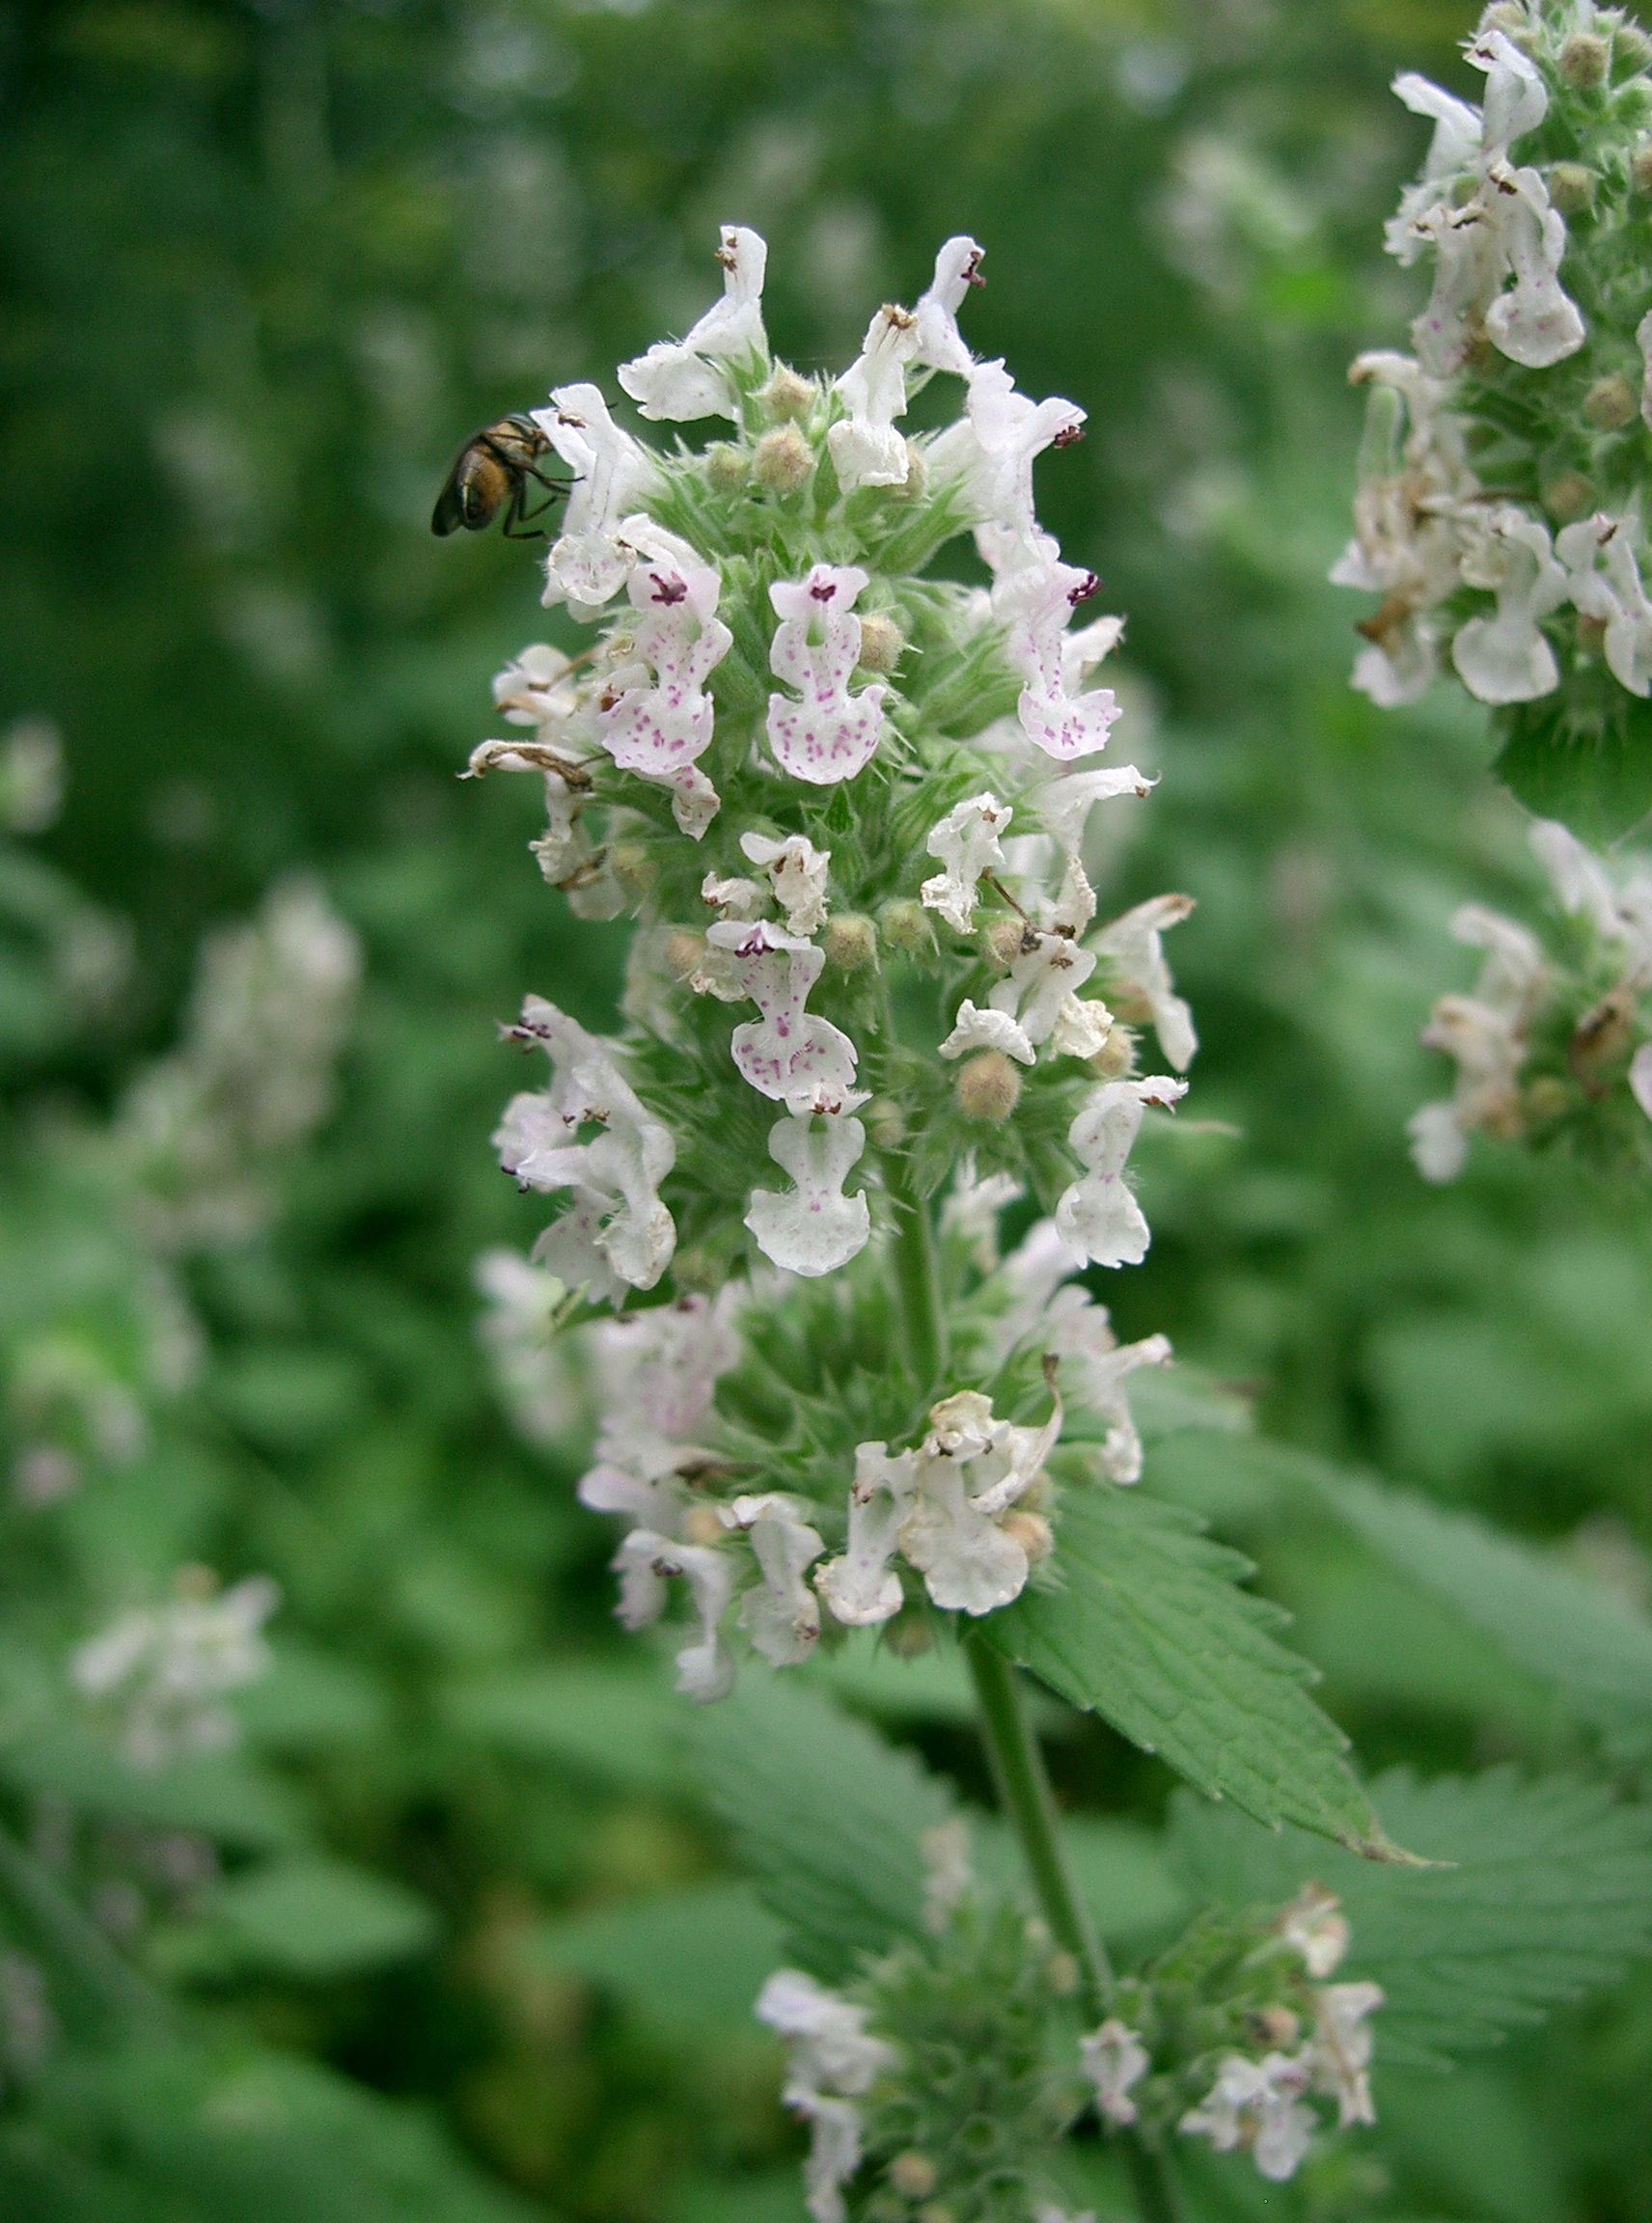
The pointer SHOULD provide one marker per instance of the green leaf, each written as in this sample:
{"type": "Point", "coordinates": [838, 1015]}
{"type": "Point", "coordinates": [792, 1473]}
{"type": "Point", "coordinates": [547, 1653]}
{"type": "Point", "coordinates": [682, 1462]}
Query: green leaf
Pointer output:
{"type": "Point", "coordinates": [1547, 1619]}
{"type": "Point", "coordinates": [1548, 1894]}
{"type": "Point", "coordinates": [316, 1917]}
{"type": "Point", "coordinates": [95, 1995]}
{"type": "Point", "coordinates": [700, 1956]}
{"type": "Point", "coordinates": [615, 1723]}
{"type": "Point", "coordinates": [1587, 763]}
{"type": "Point", "coordinates": [224, 1797]}
{"type": "Point", "coordinates": [826, 1816]}
{"type": "Point", "coordinates": [1150, 1630]}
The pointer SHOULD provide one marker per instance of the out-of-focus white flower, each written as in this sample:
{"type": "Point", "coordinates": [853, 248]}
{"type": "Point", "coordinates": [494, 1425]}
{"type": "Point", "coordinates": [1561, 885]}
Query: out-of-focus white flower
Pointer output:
{"type": "Point", "coordinates": [1339, 2052]}
{"type": "Point", "coordinates": [1135, 944]}
{"type": "Point", "coordinates": [1115, 2060]}
{"type": "Point", "coordinates": [1505, 658]}
{"type": "Point", "coordinates": [1641, 1078]}
{"type": "Point", "coordinates": [167, 1669]}
{"type": "Point", "coordinates": [1098, 1216]}
{"type": "Point", "coordinates": [542, 688]}
{"type": "Point", "coordinates": [535, 1379]}
{"type": "Point", "coordinates": [949, 1873]}
{"type": "Point", "coordinates": [31, 774]}
{"type": "Point", "coordinates": [813, 1228]}
{"type": "Point", "coordinates": [967, 844]}
{"type": "Point", "coordinates": [682, 380]}
{"type": "Point", "coordinates": [1515, 101]}
{"type": "Point", "coordinates": [790, 1055]}
{"type": "Point", "coordinates": [1094, 1367]}
{"type": "Point", "coordinates": [940, 345]}
{"type": "Point", "coordinates": [1486, 1033]}
{"type": "Point", "coordinates": [1258, 2104]}
{"type": "Point", "coordinates": [782, 1614]}
{"type": "Point", "coordinates": [859, 1587]}
{"type": "Point", "coordinates": [1454, 147]}
{"type": "Point", "coordinates": [659, 724]}
{"type": "Point", "coordinates": [1314, 1925]}
{"type": "Point", "coordinates": [1619, 910]}
{"type": "Point", "coordinates": [830, 731]}
{"type": "Point", "coordinates": [835, 2060]}
{"type": "Point", "coordinates": [618, 1231]}
{"type": "Point", "coordinates": [588, 564]}
{"type": "Point", "coordinates": [797, 874]}
{"type": "Point", "coordinates": [657, 1372]}
{"type": "Point", "coordinates": [644, 1562]}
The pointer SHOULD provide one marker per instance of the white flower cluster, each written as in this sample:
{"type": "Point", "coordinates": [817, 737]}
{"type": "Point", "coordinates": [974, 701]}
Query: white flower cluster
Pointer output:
{"type": "Point", "coordinates": [1260, 2104]}
{"type": "Point", "coordinates": [165, 1671]}
{"type": "Point", "coordinates": [1545, 1044]}
{"type": "Point", "coordinates": [835, 2063]}
{"type": "Point", "coordinates": [1467, 556]}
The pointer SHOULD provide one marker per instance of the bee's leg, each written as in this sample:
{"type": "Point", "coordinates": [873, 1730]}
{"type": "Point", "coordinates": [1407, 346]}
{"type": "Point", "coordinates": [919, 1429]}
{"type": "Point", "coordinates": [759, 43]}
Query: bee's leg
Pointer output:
{"type": "Point", "coordinates": [515, 515]}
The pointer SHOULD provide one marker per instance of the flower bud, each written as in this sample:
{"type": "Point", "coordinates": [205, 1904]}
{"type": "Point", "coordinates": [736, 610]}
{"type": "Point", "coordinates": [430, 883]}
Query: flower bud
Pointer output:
{"type": "Point", "coordinates": [1116, 1057]}
{"type": "Point", "coordinates": [1611, 402]}
{"type": "Point", "coordinates": [881, 641]}
{"type": "Point", "coordinates": [727, 467]}
{"type": "Point", "coordinates": [1032, 1531]}
{"type": "Point", "coordinates": [683, 952]}
{"type": "Point", "coordinates": [1631, 49]}
{"type": "Point", "coordinates": [1601, 1034]}
{"type": "Point", "coordinates": [1061, 1973]}
{"type": "Point", "coordinates": [787, 398]}
{"type": "Point", "coordinates": [1589, 633]}
{"type": "Point", "coordinates": [701, 1526]}
{"type": "Point", "coordinates": [1546, 1099]}
{"type": "Point", "coordinates": [1568, 495]}
{"type": "Point", "coordinates": [1572, 187]}
{"type": "Point", "coordinates": [1000, 943]}
{"type": "Point", "coordinates": [989, 1088]}
{"type": "Point", "coordinates": [700, 1271]}
{"type": "Point", "coordinates": [633, 868]}
{"type": "Point", "coordinates": [912, 2173]}
{"type": "Point", "coordinates": [886, 1122]}
{"type": "Point", "coordinates": [1280, 2026]}
{"type": "Point", "coordinates": [1584, 58]}
{"type": "Point", "coordinates": [906, 927]}
{"type": "Point", "coordinates": [850, 942]}
{"type": "Point", "coordinates": [783, 460]}
{"type": "Point", "coordinates": [1641, 168]}
{"type": "Point", "coordinates": [908, 1637]}
{"type": "Point", "coordinates": [935, 2212]}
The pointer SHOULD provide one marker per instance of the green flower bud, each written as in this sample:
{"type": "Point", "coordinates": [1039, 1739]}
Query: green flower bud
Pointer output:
{"type": "Point", "coordinates": [1115, 1057]}
{"type": "Point", "coordinates": [633, 868]}
{"type": "Point", "coordinates": [886, 1123]}
{"type": "Point", "coordinates": [727, 467]}
{"type": "Point", "coordinates": [1546, 1100]}
{"type": "Point", "coordinates": [1641, 169]}
{"type": "Point", "coordinates": [1611, 402]}
{"type": "Point", "coordinates": [1584, 58]}
{"type": "Point", "coordinates": [881, 641]}
{"type": "Point", "coordinates": [989, 1088]}
{"type": "Point", "coordinates": [1631, 49]}
{"type": "Point", "coordinates": [906, 926]}
{"type": "Point", "coordinates": [908, 1637]}
{"type": "Point", "coordinates": [1032, 1531]}
{"type": "Point", "coordinates": [1568, 495]}
{"type": "Point", "coordinates": [783, 460]}
{"type": "Point", "coordinates": [1572, 187]}
{"type": "Point", "coordinates": [683, 952]}
{"type": "Point", "coordinates": [850, 942]}
{"type": "Point", "coordinates": [1000, 943]}
{"type": "Point", "coordinates": [912, 2173]}
{"type": "Point", "coordinates": [787, 398]}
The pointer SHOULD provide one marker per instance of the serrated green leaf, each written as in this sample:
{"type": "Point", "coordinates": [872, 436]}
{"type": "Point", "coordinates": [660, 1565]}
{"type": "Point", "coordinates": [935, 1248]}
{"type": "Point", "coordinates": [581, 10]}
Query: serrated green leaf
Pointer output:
{"type": "Point", "coordinates": [1150, 1630]}
{"type": "Point", "coordinates": [700, 1956]}
{"type": "Point", "coordinates": [1587, 764]}
{"type": "Point", "coordinates": [317, 1917]}
{"type": "Point", "coordinates": [828, 1819]}
{"type": "Point", "coordinates": [1547, 1619]}
{"type": "Point", "coordinates": [1548, 1895]}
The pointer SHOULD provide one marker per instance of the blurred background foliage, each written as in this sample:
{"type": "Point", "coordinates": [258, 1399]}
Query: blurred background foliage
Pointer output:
{"type": "Point", "coordinates": [451, 1935]}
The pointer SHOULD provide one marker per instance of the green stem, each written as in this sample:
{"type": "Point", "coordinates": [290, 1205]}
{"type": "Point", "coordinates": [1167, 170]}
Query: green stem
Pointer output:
{"type": "Point", "coordinates": [1023, 1790]}
{"type": "Point", "coordinates": [918, 1275]}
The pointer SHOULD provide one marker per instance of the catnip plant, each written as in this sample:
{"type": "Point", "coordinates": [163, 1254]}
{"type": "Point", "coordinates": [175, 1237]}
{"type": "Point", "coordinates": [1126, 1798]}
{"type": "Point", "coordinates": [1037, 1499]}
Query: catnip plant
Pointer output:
{"type": "Point", "coordinates": [1499, 517]}
{"type": "Point", "coordinates": [874, 1008]}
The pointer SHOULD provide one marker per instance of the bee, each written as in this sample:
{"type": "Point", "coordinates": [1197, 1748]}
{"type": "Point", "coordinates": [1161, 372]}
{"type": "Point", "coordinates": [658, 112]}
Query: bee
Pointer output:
{"type": "Point", "coordinates": [492, 471]}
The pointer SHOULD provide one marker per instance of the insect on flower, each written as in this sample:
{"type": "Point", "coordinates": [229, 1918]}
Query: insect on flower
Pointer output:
{"type": "Point", "coordinates": [492, 471]}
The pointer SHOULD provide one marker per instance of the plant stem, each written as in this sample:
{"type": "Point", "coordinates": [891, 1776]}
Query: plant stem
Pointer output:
{"type": "Point", "coordinates": [1023, 1790]}
{"type": "Point", "coordinates": [918, 1277]}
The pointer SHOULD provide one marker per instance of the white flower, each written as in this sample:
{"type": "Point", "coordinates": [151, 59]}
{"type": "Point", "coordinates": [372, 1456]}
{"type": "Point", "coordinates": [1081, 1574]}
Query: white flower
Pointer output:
{"type": "Point", "coordinates": [868, 447]}
{"type": "Point", "coordinates": [1641, 1078]}
{"type": "Point", "coordinates": [540, 688]}
{"type": "Point", "coordinates": [1094, 1367]}
{"type": "Point", "coordinates": [967, 844]}
{"type": "Point", "coordinates": [782, 1614]}
{"type": "Point", "coordinates": [1339, 2052]}
{"type": "Point", "coordinates": [859, 1587]}
{"type": "Point", "coordinates": [660, 724]}
{"type": "Point", "coordinates": [970, 1471]}
{"type": "Point", "coordinates": [737, 898]}
{"type": "Point", "coordinates": [1599, 554]}
{"type": "Point", "coordinates": [1135, 946]}
{"type": "Point", "coordinates": [790, 1055]}
{"type": "Point", "coordinates": [949, 1873]}
{"type": "Point", "coordinates": [1115, 2059]}
{"type": "Point", "coordinates": [587, 566]}
{"type": "Point", "coordinates": [797, 874]}
{"type": "Point", "coordinates": [618, 1230]}
{"type": "Point", "coordinates": [939, 343]}
{"type": "Point", "coordinates": [644, 1563]}
{"type": "Point", "coordinates": [1517, 100]}
{"type": "Point", "coordinates": [811, 1228]}
{"type": "Point", "coordinates": [1620, 914]}
{"type": "Point", "coordinates": [1313, 1924]}
{"type": "Point", "coordinates": [835, 2060]}
{"type": "Point", "coordinates": [1034, 601]}
{"type": "Point", "coordinates": [1486, 1033]}
{"type": "Point", "coordinates": [1257, 2103]}
{"type": "Point", "coordinates": [1505, 658]}
{"type": "Point", "coordinates": [1064, 801]}
{"type": "Point", "coordinates": [168, 1668]}
{"type": "Point", "coordinates": [973, 1029]}
{"type": "Point", "coordinates": [537, 1382]}
{"type": "Point", "coordinates": [1438, 1142]}
{"type": "Point", "coordinates": [1097, 1217]}
{"type": "Point", "coordinates": [971, 1211]}
{"type": "Point", "coordinates": [992, 452]}
{"type": "Point", "coordinates": [1041, 986]}
{"type": "Point", "coordinates": [680, 380]}
{"type": "Point", "coordinates": [657, 1372]}
{"type": "Point", "coordinates": [1453, 149]}
{"type": "Point", "coordinates": [832, 731]}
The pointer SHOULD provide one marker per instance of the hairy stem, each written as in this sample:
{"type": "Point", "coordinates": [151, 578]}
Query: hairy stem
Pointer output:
{"type": "Point", "coordinates": [918, 1277]}
{"type": "Point", "coordinates": [1023, 1790]}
